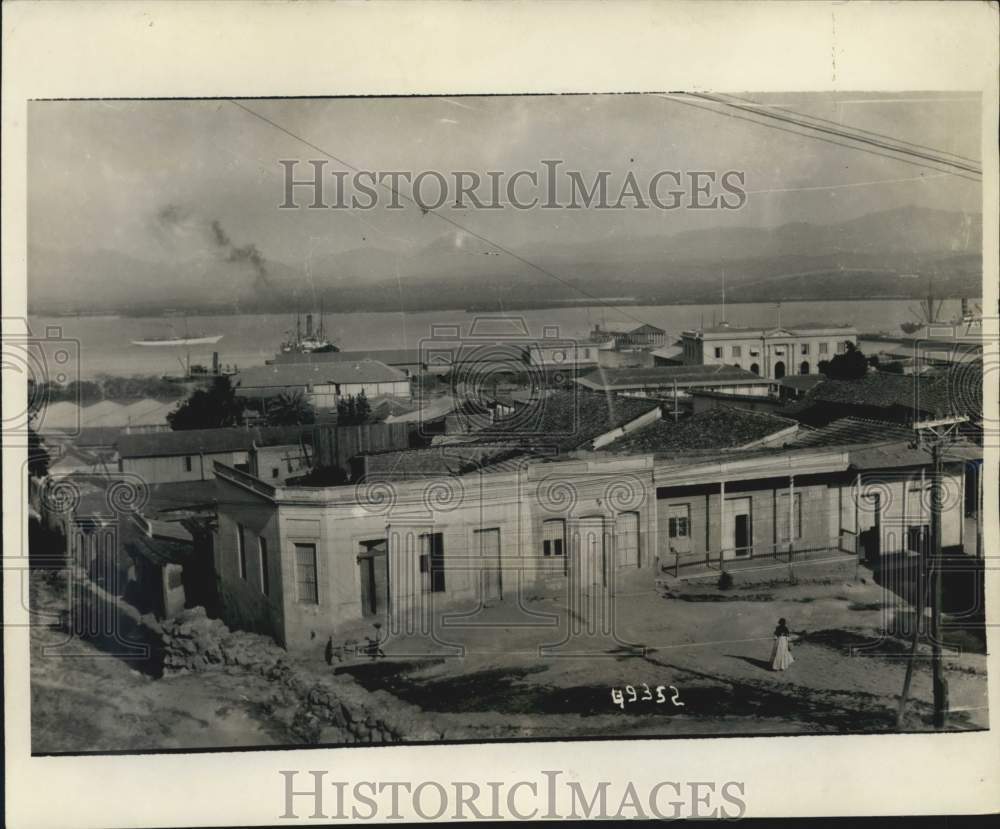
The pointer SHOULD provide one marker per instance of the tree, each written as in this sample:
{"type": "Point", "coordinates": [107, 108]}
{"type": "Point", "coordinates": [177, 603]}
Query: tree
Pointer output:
{"type": "Point", "coordinates": [211, 408]}
{"type": "Point", "coordinates": [289, 409]}
{"type": "Point", "coordinates": [354, 410]}
{"type": "Point", "coordinates": [851, 365]}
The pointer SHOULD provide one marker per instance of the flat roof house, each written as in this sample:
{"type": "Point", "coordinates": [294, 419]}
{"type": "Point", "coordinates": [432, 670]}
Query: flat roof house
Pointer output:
{"type": "Point", "coordinates": [471, 524]}
{"type": "Point", "coordinates": [188, 455]}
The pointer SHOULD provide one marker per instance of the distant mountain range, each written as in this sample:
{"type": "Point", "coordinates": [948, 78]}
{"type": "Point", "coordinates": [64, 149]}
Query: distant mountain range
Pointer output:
{"type": "Point", "coordinates": [891, 253]}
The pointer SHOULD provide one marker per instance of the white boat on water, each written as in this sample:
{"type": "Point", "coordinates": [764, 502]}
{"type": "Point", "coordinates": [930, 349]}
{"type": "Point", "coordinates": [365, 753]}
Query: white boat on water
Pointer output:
{"type": "Point", "coordinates": [167, 341]}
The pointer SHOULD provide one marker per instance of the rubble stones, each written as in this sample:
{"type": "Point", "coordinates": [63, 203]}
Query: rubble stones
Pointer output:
{"type": "Point", "coordinates": [329, 709]}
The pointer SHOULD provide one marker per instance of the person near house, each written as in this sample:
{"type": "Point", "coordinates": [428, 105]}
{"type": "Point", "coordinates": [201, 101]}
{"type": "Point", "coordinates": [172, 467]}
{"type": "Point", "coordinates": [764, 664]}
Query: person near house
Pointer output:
{"type": "Point", "coordinates": [781, 655]}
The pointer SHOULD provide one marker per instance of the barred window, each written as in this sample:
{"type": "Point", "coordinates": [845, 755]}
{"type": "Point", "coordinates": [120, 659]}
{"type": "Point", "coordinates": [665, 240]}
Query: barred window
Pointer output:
{"type": "Point", "coordinates": [305, 573]}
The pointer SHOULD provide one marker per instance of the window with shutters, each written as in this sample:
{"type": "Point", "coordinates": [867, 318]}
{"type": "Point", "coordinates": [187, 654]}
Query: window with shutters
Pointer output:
{"type": "Point", "coordinates": [679, 521]}
{"type": "Point", "coordinates": [553, 537]}
{"type": "Point", "coordinates": [305, 574]}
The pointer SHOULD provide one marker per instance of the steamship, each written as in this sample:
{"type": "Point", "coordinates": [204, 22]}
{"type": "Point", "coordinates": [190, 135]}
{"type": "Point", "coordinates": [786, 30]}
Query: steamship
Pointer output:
{"type": "Point", "coordinates": [312, 340]}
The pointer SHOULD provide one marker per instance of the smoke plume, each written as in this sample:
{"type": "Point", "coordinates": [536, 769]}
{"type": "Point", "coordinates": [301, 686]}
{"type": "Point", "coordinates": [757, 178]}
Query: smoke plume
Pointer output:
{"type": "Point", "coordinates": [179, 220]}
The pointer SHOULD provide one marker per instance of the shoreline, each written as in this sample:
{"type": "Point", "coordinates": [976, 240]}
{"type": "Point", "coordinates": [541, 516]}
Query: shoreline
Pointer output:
{"type": "Point", "coordinates": [473, 309]}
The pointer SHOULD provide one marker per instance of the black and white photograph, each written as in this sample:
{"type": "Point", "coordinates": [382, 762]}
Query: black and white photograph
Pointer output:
{"type": "Point", "coordinates": [360, 421]}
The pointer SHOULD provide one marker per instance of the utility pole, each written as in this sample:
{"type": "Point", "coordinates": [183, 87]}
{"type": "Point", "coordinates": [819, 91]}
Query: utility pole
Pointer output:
{"type": "Point", "coordinates": [935, 432]}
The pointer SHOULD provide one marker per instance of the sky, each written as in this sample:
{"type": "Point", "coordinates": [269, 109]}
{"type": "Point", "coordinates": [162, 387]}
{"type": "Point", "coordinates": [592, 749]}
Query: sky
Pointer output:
{"type": "Point", "coordinates": [102, 175]}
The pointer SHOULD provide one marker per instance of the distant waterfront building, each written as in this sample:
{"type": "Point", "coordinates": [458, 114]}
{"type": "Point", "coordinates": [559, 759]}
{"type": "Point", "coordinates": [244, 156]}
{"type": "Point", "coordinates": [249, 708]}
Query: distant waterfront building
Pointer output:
{"type": "Point", "coordinates": [565, 354]}
{"type": "Point", "coordinates": [629, 335]}
{"type": "Point", "coordinates": [768, 352]}
{"type": "Point", "coordinates": [323, 384]}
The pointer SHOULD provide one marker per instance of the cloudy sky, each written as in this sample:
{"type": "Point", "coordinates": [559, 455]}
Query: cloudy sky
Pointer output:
{"type": "Point", "coordinates": [103, 174]}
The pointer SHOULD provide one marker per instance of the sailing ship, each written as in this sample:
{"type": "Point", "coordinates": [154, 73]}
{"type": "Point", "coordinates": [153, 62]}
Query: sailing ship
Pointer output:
{"type": "Point", "coordinates": [167, 341]}
{"type": "Point", "coordinates": [177, 339]}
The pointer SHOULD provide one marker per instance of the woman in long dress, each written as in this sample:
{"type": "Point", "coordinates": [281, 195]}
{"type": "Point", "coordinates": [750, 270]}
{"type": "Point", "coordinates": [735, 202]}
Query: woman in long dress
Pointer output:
{"type": "Point", "coordinates": [781, 656]}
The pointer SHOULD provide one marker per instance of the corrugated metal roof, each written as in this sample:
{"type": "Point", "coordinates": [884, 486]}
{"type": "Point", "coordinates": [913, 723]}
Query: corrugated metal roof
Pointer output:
{"type": "Point", "coordinates": [612, 379]}
{"type": "Point", "coordinates": [297, 374]}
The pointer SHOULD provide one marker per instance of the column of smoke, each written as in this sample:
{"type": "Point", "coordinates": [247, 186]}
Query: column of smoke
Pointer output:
{"type": "Point", "coordinates": [175, 218]}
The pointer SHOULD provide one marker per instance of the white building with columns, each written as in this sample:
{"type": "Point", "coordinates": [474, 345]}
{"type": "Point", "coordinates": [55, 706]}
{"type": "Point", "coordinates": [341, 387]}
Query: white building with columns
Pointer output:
{"type": "Point", "coordinates": [768, 352]}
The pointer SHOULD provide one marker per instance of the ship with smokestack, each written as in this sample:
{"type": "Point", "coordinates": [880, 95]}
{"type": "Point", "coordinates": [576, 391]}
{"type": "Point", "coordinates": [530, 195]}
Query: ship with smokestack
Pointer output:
{"type": "Point", "coordinates": [312, 340]}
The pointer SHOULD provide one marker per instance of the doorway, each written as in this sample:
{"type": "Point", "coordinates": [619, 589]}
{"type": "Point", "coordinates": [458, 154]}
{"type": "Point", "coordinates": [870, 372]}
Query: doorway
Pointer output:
{"type": "Point", "coordinates": [779, 370]}
{"type": "Point", "coordinates": [870, 538]}
{"type": "Point", "coordinates": [739, 538]}
{"type": "Point", "coordinates": [374, 576]}
{"type": "Point", "coordinates": [491, 579]}
{"type": "Point", "coordinates": [592, 556]}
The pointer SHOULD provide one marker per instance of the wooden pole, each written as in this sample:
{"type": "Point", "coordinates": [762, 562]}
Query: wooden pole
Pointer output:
{"type": "Point", "coordinates": [791, 515]}
{"type": "Point", "coordinates": [940, 682]}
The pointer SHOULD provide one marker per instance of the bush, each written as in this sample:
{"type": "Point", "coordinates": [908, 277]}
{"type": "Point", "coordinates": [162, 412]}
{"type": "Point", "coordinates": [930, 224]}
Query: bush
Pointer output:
{"type": "Point", "coordinates": [725, 581]}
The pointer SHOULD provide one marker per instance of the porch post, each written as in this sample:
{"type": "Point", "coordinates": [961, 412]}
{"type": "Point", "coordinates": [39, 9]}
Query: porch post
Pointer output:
{"type": "Point", "coordinates": [857, 515]}
{"type": "Point", "coordinates": [979, 509]}
{"type": "Point", "coordinates": [722, 521]}
{"type": "Point", "coordinates": [388, 576]}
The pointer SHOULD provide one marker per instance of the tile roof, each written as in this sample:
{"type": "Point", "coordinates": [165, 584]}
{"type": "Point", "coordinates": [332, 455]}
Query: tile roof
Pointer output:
{"type": "Point", "coordinates": [308, 374]}
{"type": "Point", "coordinates": [565, 419]}
{"type": "Point", "coordinates": [208, 441]}
{"type": "Point", "coordinates": [853, 430]}
{"type": "Point", "coordinates": [801, 382]}
{"type": "Point", "coordinates": [957, 391]}
{"type": "Point", "coordinates": [724, 427]}
{"type": "Point", "coordinates": [610, 379]}
{"type": "Point", "coordinates": [441, 461]}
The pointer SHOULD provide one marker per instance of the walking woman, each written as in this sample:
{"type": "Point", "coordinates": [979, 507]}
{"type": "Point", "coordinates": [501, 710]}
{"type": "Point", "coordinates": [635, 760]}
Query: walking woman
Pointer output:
{"type": "Point", "coordinates": [781, 656]}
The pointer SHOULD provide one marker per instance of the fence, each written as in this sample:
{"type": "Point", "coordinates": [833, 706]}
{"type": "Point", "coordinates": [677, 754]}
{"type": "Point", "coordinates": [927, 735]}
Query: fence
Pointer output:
{"type": "Point", "coordinates": [779, 553]}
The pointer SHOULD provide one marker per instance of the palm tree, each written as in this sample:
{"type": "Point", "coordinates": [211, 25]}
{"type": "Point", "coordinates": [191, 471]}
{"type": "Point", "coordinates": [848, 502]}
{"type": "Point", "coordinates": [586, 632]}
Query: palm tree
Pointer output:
{"type": "Point", "coordinates": [289, 409]}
